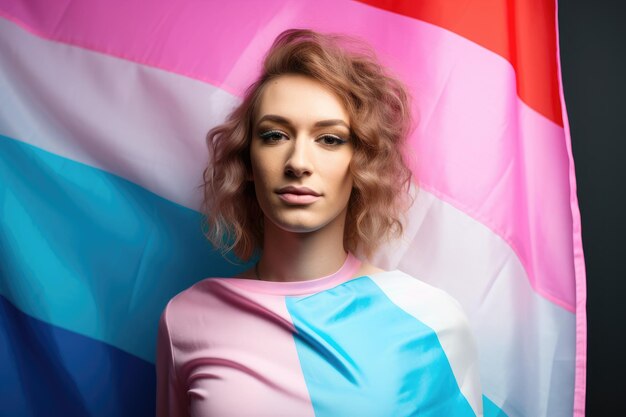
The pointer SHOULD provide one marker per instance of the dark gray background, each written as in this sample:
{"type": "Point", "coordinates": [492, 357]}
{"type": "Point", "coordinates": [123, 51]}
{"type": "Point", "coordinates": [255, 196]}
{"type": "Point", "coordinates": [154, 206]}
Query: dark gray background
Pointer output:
{"type": "Point", "coordinates": [593, 57]}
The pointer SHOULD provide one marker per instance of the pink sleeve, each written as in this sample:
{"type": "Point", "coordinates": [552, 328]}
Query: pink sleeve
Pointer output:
{"type": "Point", "coordinates": [170, 398]}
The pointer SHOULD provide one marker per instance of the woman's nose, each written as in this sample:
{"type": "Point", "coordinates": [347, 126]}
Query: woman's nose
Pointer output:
{"type": "Point", "coordinates": [298, 161]}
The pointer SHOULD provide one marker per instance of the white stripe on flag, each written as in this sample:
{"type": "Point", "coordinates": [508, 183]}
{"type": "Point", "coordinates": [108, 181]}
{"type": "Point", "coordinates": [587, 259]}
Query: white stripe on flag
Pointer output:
{"type": "Point", "coordinates": [526, 343]}
{"type": "Point", "coordinates": [141, 123]}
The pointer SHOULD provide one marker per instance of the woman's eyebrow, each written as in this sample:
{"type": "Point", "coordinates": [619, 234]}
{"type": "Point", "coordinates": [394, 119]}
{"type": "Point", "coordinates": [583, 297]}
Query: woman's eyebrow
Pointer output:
{"type": "Point", "coordinates": [284, 121]}
{"type": "Point", "coordinates": [332, 122]}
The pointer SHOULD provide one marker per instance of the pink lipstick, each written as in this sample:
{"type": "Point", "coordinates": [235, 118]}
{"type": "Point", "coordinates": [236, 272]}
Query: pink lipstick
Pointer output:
{"type": "Point", "coordinates": [298, 195]}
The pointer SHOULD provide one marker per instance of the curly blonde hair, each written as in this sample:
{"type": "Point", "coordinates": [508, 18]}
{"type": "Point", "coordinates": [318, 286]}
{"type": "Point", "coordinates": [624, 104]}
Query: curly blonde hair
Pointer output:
{"type": "Point", "coordinates": [379, 110]}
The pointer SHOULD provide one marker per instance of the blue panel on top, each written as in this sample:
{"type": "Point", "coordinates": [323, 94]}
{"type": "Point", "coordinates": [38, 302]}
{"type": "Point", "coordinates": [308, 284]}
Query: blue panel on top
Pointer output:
{"type": "Point", "coordinates": [91, 252]}
{"type": "Point", "coordinates": [48, 371]}
{"type": "Point", "coordinates": [492, 410]}
{"type": "Point", "coordinates": [361, 355]}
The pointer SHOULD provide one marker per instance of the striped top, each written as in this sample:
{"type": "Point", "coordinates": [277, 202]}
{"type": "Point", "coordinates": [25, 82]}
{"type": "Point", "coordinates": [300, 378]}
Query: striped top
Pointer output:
{"type": "Point", "coordinates": [385, 344]}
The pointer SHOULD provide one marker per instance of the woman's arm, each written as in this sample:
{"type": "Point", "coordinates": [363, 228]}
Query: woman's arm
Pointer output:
{"type": "Point", "coordinates": [170, 398]}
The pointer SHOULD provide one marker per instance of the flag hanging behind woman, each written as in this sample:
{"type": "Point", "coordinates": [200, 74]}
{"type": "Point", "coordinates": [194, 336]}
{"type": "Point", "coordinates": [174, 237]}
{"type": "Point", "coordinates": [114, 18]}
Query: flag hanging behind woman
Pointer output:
{"type": "Point", "coordinates": [103, 111]}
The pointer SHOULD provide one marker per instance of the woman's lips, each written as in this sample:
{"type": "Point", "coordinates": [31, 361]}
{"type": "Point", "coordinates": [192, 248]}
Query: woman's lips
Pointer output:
{"type": "Point", "coordinates": [292, 198]}
{"type": "Point", "coordinates": [298, 195]}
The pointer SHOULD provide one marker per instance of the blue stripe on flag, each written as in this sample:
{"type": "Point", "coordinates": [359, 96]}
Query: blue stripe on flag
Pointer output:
{"type": "Point", "coordinates": [91, 252]}
{"type": "Point", "coordinates": [48, 371]}
{"type": "Point", "coordinates": [362, 355]}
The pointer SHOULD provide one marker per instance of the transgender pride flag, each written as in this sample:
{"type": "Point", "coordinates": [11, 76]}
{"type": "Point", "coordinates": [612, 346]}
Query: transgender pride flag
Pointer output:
{"type": "Point", "coordinates": [104, 105]}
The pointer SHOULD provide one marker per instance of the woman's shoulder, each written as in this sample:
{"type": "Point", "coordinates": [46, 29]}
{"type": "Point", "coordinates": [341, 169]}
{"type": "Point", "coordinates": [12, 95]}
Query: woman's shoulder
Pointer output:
{"type": "Point", "coordinates": [440, 312]}
{"type": "Point", "coordinates": [396, 282]}
{"type": "Point", "coordinates": [397, 278]}
{"type": "Point", "coordinates": [195, 298]}
{"type": "Point", "coordinates": [425, 301]}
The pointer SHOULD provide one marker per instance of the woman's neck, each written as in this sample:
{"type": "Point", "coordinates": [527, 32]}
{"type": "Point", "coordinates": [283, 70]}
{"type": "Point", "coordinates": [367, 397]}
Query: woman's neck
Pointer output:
{"type": "Point", "coordinates": [291, 256]}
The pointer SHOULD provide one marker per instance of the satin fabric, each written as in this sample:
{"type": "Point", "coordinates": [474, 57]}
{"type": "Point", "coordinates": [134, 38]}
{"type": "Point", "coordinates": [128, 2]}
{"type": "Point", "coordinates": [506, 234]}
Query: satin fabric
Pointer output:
{"type": "Point", "coordinates": [335, 346]}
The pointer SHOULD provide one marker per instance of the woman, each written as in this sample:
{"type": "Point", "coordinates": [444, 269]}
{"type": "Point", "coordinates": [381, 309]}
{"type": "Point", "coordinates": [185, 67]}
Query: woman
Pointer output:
{"type": "Point", "coordinates": [308, 170]}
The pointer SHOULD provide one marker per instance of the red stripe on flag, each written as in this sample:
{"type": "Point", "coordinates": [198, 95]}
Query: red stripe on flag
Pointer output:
{"type": "Point", "coordinates": [523, 32]}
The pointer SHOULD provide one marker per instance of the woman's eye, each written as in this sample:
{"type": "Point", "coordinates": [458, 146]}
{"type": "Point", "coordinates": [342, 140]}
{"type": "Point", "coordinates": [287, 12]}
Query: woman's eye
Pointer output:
{"type": "Point", "coordinates": [272, 136]}
{"type": "Point", "coordinates": [332, 140]}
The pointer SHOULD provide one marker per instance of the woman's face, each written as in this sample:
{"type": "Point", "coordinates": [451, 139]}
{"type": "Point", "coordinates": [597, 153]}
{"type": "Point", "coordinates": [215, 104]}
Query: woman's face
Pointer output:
{"type": "Point", "coordinates": [300, 154]}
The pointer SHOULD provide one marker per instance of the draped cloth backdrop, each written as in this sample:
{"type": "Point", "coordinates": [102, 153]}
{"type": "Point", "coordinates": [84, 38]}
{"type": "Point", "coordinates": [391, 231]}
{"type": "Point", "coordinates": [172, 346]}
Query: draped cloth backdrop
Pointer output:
{"type": "Point", "coordinates": [104, 106]}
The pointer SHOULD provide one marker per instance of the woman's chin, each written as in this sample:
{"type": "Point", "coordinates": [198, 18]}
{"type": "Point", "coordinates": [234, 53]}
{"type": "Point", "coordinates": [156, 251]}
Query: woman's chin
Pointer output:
{"type": "Point", "coordinates": [300, 224]}
{"type": "Point", "coordinates": [299, 227]}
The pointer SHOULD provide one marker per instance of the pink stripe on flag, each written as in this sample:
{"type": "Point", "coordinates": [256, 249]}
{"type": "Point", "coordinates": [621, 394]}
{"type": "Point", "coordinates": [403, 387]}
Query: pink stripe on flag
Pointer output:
{"type": "Point", "coordinates": [478, 146]}
{"type": "Point", "coordinates": [580, 387]}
